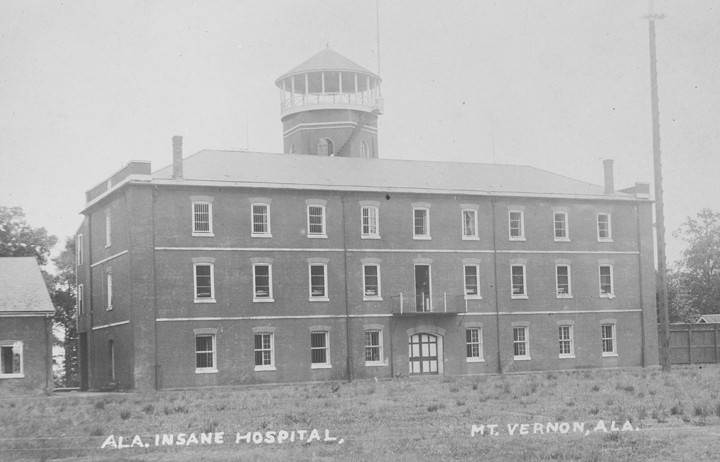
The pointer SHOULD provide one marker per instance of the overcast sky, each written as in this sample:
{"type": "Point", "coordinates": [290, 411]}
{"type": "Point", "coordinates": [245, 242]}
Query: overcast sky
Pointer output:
{"type": "Point", "coordinates": [87, 86]}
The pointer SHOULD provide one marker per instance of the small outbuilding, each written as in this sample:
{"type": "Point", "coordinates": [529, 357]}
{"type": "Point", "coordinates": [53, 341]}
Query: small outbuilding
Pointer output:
{"type": "Point", "coordinates": [25, 327]}
{"type": "Point", "coordinates": [709, 319]}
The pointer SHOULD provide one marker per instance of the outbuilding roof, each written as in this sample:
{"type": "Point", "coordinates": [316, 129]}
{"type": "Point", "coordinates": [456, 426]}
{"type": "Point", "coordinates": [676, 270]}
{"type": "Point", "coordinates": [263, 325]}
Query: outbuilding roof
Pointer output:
{"type": "Point", "coordinates": [326, 60]}
{"type": "Point", "coordinates": [710, 318]}
{"type": "Point", "coordinates": [22, 288]}
{"type": "Point", "coordinates": [298, 171]}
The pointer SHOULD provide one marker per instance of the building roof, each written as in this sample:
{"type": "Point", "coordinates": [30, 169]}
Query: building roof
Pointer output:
{"type": "Point", "coordinates": [710, 318]}
{"type": "Point", "coordinates": [326, 60]}
{"type": "Point", "coordinates": [22, 287]}
{"type": "Point", "coordinates": [298, 171]}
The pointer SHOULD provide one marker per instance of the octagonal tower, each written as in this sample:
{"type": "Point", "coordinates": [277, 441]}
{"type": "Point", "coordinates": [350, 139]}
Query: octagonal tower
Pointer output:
{"type": "Point", "coordinates": [330, 107]}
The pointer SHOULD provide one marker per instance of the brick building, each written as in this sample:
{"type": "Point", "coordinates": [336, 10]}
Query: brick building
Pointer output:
{"type": "Point", "coordinates": [326, 262]}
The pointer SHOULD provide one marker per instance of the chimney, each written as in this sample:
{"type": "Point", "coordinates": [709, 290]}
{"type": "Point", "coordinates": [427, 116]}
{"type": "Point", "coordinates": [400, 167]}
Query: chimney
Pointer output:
{"type": "Point", "coordinates": [609, 180]}
{"type": "Point", "coordinates": [177, 157]}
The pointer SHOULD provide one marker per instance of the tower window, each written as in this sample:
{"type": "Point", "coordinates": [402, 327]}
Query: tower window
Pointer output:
{"type": "Point", "coordinates": [364, 151]}
{"type": "Point", "coordinates": [325, 147]}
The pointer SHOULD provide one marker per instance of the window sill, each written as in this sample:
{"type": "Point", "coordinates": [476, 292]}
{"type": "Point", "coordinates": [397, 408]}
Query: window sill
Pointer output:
{"type": "Point", "coordinates": [519, 297]}
{"type": "Point", "coordinates": [475, 360]}
{"type": "Point", "coordinates": [196, 234]}
{"type": "Point", "coordinates": [265, 235]}
{"type": "Point", "coordinates": [608, 296]}
{"type": "Point", "coordinates": [263, 300]}
{"type": "Point", "coordinates": [206, 371]}
{"type": "Point", "coordinates": [471, 238]}
{"type": "Point", "coordinates": [369, 236]}
{"type": "Point", "coordinates": [108, 308]}
{"type": "Point", "coordinates": [264, 368]}
{"type": "Point", "coordinates": [605, 239]}
{"type": "Point", "coordinates": [517, 238]}
{"type": "Point", "coordinates": [317, 236]}
{"type": "Point", "coordinates": [204, 300]}
{"type": "Point", "coordinates": [566, 356]}
{"type": "Point", "coordinates": [562, 239]}
{"type": "Point", "coordinates": [12, 376]}
{"type": "Point", "coordinates": [609, 355]}
{"type": "Point", "coordinates": [318, 299]}
{"type": "Point", "coordinates": [521, 358]}
{"type": "Point", "coordinates": [372, 299]}
{"type": "Point", "coordinates": [564, 296]}
{"type": "Point", "coordinates": [473, 297]}
{"type": "Point", "coordinates": [422, 238]}
{"type": "Point", "coordinates": [376, 363]}
{"type": "Point", "coordinates": [320, 366]}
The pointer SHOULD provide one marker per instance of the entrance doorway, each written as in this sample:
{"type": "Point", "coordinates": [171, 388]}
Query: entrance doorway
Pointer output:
{"type": "Point", "coordinates": [423, 354]}
{"type": "Point", "coordinates": [422, 288]}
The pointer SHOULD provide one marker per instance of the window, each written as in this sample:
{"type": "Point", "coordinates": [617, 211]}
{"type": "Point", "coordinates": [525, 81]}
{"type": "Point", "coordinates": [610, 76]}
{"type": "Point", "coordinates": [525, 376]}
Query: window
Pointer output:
{"type": "Point", "coordinates": [517, 274]}
{"type": "Point", "coordinates": [371, 282]}
{"type": "Point", "coordinates": [469, 224]}
{"type": "Point", "coordinates": [421, 223]}
{"type": "Point", "coordinates": [606, 281]}
{"type": "Point", "coordinates": [318, 282]}
{"type": "Point", "coordinates": [204, 283]}
{"type": "Point", "coordinates": [325, 147]}
{"type": "Point", "coordinates": [521, 348]}
{"type": "Point", "coordinates": [373, 347]}
{"type": "Point", "coordinates": [364, 151]}
{"type": "Point", "coordinates": [108, 292]}
{"type": "Point", "coordinates": [370, 223]}
{"type": "Point", "coordinates": [205, 360]}
{"type": "Point", "coordinates": [316, 221]}
{"type": "Point", "coordinates": [79, 250]}
{"type": "Point", "coordinates": [562, 281]}
{"type": "Point", "coordinates": [319, 350]}
{"type": "Point", "coordinates": [108, 229]}
{"type": "Point", "coordinates": [11, 359]}
{"type": "Point", "coordinates": [609, 342]}
{"type": "Point", "coordinates": [80, 298]}
{"type": "Point", "coordinates": [474, 344]}
{"type": "Point", "coordinates": [264, 352]}
{"type": "Point", "coordinates": [565, 339]}
{"type": "Point", "coordinates": [260, 220]}
{"type": "Point", "coordinates": [262, 283]}
{"type": "Point", "coordinates": [202, 219]}
{"type": "Point", "coordinates": [472, 281]}
{"type": "Point", "coordinates": [560, 225]}
{"type": "Point", "coordinates": [516, 225]}
{"type": "Point", "coordinates": [604, 227]}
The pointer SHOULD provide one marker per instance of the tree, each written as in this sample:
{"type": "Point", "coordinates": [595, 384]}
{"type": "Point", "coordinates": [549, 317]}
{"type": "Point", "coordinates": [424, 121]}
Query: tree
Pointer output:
{"type": "Point", "coordinates": [19, 239]}
{"type": "Point", "coordinates": [699, 268]}
{"type": "Point", "coordinates": [64, 298]}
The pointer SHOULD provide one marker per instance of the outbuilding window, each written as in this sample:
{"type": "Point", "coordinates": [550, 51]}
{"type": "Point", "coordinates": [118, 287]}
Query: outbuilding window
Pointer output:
{"type": "Point", "coordinates": [11, 359]}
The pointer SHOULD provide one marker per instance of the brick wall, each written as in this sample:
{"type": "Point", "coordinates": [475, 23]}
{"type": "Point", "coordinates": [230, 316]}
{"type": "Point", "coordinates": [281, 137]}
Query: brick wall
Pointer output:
{"type": "Point", "coordinates": [34, 333]}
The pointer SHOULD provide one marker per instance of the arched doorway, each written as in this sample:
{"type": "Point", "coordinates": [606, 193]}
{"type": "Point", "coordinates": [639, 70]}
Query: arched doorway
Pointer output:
{"type": "Point", "coordinates": [424, 354]}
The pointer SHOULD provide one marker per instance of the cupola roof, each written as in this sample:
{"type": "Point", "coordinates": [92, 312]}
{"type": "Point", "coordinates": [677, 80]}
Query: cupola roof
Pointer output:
{"type": "Point", "coordinates": [326, 60]}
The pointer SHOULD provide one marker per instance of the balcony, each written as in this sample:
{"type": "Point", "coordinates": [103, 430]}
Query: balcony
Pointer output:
{"type": "Point", "coordinates": [442, 304]}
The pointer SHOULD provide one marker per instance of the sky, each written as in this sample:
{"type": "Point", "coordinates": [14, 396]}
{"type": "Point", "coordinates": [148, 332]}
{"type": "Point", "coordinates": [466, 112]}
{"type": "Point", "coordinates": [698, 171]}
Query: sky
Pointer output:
{"type": "Point", "coordinates": [87, 86]}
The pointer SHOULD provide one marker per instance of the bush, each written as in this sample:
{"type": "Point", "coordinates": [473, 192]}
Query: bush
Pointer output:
{"type": "Point", "coordinates": [125, 414]}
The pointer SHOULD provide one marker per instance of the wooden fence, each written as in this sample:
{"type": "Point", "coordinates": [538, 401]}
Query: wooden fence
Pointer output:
{"type": "Point", "coordinates": [694, 343]}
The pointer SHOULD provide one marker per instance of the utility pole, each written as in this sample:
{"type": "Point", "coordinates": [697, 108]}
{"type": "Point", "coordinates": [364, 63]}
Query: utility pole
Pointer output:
{"type": "Point", "coordinates": [659, 214]}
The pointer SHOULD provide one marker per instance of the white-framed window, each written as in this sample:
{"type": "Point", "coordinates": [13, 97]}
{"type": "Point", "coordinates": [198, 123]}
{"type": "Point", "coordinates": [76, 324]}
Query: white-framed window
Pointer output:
{"type": "Point", "coordinates": [264, 351]}
{"type": "Point", "coordinates": [471, 274]}
{"type": "Point", "coordinates": [421, 223]}
{"type": "Point", "coordinates": [474, 345]}
{"type": "Point", "coordinates": [11, 359]}
{"type": "Point", "coordinates": [204, 279]}
{"type": "Point", "coordinates": [260, 220]}
{"type": "Point", "coordinates": [205, 353]}
{"type": "Point", "coordinates": [370, 219]}
{"type": "Point", "coordinates": [108, 291]}
{"type": "Point", "coordinates": [108, 229]}
{"type": "Point", "coordinates": [319, 349]}
{"type": "Point", "coordinates": [318, 283]}
{"type": "Point", "coordinates": [608, 339]}
{"type": "Point", "coordinates": [79, 250]}
{"type": "Point", "coordinates": [469, 224]}
{"type": "Point", "coordinates": [80, 299]}
{"type": "Point", "coordinates": [373, 347]}
{"type": "Point", "coordinates": [516, 225]}
{"type": "Point", "coordinates": [371, 282]}
{"type": "Point", "coordinates": [517, 280]}
{"type": "Point", "coordinates": [561, 230]}
{"type": "Point", "coordinates": [521, 343]}
{"type": "Point", "coordinates": [262, 282]}
{"type": "Point", "coordinates": [566, 341]}
{"type": "Point", "coordinates": [316, 221]}
{"type": "Point", "coordinates": [563, 284]}
{"type": "Point", "coordinates": [202, 218]}
{"type": "Point", "coordinates": [604, 227]}
{"type": "Point", "coordinates": [605, 273]}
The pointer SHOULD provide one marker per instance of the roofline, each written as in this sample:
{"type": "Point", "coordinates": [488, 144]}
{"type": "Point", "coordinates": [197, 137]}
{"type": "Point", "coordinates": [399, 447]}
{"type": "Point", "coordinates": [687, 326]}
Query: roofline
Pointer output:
{"type": "Point", "coordinates": [307, 71]}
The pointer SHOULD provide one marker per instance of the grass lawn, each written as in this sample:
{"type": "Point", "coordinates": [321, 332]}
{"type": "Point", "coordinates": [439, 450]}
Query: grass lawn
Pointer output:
{"type": "Point", "coordinates": [673, 416]}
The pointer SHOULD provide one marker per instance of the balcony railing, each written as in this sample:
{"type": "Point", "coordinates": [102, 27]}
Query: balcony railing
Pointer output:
{"type": "Point", "coordinates": [408, 303]}
{"type": "Point", "coordinates": [366, 101]}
